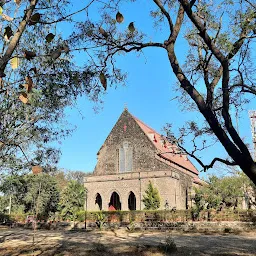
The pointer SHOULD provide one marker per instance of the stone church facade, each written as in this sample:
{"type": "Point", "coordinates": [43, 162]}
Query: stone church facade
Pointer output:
{"type": "Point", "coordinates": [133, 155]}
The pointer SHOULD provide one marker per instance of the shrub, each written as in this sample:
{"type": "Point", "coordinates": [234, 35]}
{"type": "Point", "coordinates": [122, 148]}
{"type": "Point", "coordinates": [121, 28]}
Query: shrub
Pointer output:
{"type": "Point", "coordinates": [80, 215]}
{"type": "Point", "coordinates": [100, 219]}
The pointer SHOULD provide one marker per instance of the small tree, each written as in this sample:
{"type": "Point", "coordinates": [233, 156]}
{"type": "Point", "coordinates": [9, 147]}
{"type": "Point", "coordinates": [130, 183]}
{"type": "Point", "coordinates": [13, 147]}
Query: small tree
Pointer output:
{"type": "Point", "coordinates": [151, 199]}
{"type": "Point", "coordinates": [72, 200]}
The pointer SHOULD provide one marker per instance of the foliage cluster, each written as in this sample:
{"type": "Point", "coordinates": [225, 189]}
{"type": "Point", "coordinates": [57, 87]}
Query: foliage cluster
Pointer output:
{"type": "Point", "coordinates": [60, 194]}
{"type": "Point", "coordinates": [227, 192]}
{"type": "Point", "coordinates": [151, 198]}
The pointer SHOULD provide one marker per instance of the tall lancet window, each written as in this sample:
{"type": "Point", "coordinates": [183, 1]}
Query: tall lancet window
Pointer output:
{"type": "Point", "coordinates": [125, 158]}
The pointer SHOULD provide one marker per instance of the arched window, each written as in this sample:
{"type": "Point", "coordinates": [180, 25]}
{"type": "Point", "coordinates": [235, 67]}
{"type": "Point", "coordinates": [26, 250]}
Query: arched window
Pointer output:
{"type": "Point", "coordinates": [132, 201]}
{"type": "Point", "coordinates": [98, 201]}
{"type": "Point", "coordinates": [114, 203]}
{"type": "Point", "coordinates": [125, 157]}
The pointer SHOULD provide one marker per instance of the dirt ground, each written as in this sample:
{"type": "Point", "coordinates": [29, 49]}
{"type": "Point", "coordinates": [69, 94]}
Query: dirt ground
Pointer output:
{"type": "Point", "coordinates": [14, 242]}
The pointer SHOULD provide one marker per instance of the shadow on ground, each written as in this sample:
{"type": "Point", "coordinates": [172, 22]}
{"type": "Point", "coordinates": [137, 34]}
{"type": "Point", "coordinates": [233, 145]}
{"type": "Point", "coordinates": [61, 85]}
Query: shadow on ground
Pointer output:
{"type": "Point", "coordinates": [49, 243]}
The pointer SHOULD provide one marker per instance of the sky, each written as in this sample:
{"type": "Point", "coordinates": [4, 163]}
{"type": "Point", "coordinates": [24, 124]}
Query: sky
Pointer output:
{"type": "Point", "coordinates": [148, 94]}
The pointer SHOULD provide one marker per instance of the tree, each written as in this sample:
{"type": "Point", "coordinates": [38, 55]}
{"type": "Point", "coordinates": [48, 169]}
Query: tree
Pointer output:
{"type": "Point", "coordinates": [38, 80]}
{"type": "Point", "coordinates": [13, 188]}
{"type": "Point", "coordinates": [72, 200]}
{"type": "Point", "coordinates": [151, 198]}
{"type": "Point", "coordinates": [217, 79]}
{"type": "Point", "coordinates": [31, 193]}
{"type": "Point", "coordinates": [225, 192]}
{"type": "Point", "coordinates": [42, 195]}
{"type": "Point", "coordinates": [77, 176]}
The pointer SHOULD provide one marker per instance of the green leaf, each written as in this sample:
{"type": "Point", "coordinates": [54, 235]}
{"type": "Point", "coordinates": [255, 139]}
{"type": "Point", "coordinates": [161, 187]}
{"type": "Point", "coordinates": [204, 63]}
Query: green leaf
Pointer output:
{"type": "Point", "coordinates": [1, 10]}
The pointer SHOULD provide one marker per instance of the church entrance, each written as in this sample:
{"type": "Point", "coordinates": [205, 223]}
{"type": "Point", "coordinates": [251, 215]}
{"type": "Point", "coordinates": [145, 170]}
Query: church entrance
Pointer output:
{"type": "Point", "coordinates": [132, 202]}
{"type": "Point", "coordinates": [114, 203]}
{"type": "Point", "coordinates": [98, 201]}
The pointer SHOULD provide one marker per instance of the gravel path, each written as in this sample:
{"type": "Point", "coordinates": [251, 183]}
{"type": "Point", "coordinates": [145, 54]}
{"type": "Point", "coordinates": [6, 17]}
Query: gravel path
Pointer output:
{"type": "Point", "coordinates": [14, 242]}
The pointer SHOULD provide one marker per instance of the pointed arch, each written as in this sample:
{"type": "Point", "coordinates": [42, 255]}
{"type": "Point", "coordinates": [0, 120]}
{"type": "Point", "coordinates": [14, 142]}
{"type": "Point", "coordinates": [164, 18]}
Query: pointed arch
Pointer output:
{"type": "Point", "coordinates": [132, 201]}
{"type": "Point", "coordinates": [114, 203]}
{"type": "Point", "coordinates": [98, 201]}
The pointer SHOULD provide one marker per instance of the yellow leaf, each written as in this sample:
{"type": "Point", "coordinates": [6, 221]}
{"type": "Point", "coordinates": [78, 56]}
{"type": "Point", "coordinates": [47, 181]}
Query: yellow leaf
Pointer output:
{"type": "Point", "coordinates": [15, 62]}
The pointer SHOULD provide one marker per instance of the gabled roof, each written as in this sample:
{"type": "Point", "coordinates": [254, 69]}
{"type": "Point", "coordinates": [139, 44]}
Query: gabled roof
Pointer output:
{"type": "Point", "coordinates": [166, 150]}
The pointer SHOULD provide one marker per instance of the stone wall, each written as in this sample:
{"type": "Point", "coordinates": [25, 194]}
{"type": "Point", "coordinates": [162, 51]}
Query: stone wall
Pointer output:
{"type": "Point", "coordinates": [169, 184]}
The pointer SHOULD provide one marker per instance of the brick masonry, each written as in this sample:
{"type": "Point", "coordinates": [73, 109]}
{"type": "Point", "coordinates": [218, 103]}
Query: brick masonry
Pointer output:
{"type": "Point", "coordinates": [172, 181]}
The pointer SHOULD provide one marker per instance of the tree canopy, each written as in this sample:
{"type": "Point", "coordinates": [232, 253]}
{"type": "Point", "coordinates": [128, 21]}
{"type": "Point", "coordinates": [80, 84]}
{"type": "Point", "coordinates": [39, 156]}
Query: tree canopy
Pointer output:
{"type": "Point", "coordinates": [217, 78]}
{"type": "Point", "coordinates": [49, 195]}
{"type": "Point", "coordinates": [225, 192]}
{"type": "Point", "coordinates": [38, 80]}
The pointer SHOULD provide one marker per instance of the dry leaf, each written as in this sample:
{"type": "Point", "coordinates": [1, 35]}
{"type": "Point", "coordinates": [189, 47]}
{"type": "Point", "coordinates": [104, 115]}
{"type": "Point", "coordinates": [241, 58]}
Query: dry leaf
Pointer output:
{"type": "Point", "coordinates": [103, 32]}
{"type": "Point", "coordinates": [35, 18]}
{"type": "Point", "coordinates": [17, 1]}
{"type": "Point", "coordinates": [1, 144]}
{"type": "Point", "coordinates": [49, 37]}
{"type": "Point", "coordinates": [24, 97]}
{"type": "Point", "coordinates": [119, 17]}
{"type": "Point", "coordinates": [8, 32]}
{"type": "Point", "coordinates": [1, 83]}
{"type": "Point", "coordinates": [15, 62]}
{"type": "Point", "coordinates": [66, 48]}
{"type": "Point", "coordinates": [29, 55]}
{"type": "Point", "coordinates": [103, 80]}
{"type": "Point", "coordinates": [29, 84]}
{"type": "Point", "coordinates": [131, 27]}
{"type": "Point", "coordinates": [56, 54]}
{"type": "Point", "coordinates": [37, 169]}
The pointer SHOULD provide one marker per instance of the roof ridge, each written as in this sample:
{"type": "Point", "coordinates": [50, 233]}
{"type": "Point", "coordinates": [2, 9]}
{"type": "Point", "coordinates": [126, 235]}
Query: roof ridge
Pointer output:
{"type": "Point", "coordinates": [137, 119]}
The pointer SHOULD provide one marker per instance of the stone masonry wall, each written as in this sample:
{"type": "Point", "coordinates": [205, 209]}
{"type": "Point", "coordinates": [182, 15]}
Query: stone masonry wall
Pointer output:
{"type": "Point", "coordinates": [143, 150]}
{"type": "Point", "coordinates": [168, 184]}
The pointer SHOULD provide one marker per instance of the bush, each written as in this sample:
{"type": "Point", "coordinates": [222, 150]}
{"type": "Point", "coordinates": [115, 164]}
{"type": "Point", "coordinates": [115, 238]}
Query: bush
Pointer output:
{"type": "Point", "coordinates": [4, 218]}
{"type": "Point", "coordinates": [80, 216]}
{"type": "Point", "coordinates": [100, 219]}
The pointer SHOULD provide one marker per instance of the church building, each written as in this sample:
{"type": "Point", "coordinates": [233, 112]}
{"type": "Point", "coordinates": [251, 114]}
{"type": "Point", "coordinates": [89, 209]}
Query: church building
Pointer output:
{"type": "Point", "coordinates": [133, 155]}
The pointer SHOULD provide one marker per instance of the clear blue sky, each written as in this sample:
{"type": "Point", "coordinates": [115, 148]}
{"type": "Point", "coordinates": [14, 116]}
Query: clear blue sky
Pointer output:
{"type": "Point", "coordinates": [147, 94]}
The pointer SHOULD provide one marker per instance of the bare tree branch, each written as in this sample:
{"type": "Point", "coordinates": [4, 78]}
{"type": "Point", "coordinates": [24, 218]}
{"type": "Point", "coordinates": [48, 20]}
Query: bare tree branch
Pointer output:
{"type": "Point", "coordinates": [167, 15]}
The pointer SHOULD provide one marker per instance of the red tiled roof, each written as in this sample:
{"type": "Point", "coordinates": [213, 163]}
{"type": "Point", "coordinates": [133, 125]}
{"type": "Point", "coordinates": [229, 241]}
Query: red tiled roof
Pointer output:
{"type": "Point", "coordinates": [165, 150]}
{"type": "Point", "coordinates": [199, 181]}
